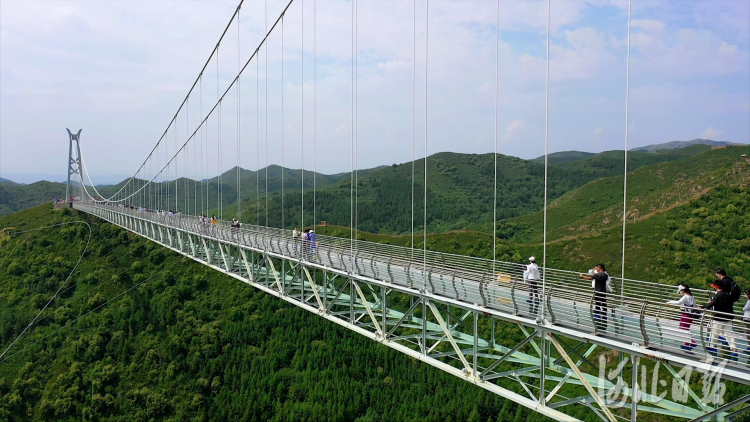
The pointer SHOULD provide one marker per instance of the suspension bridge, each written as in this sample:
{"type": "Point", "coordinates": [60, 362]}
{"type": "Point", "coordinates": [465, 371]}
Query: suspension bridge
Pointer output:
{"type": "Point", "coordinates": [449, 311]}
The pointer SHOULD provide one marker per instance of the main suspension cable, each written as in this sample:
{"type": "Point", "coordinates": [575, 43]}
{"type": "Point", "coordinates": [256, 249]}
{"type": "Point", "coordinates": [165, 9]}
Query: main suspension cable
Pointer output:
{"type": "Point", "coordinates": [164, 134]}
{"type": "Point", "coordinates": [216, 105]}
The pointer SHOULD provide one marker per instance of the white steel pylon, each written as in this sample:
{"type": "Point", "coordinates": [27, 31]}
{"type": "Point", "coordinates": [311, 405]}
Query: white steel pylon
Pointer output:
{"type": "Point", "coordinates": [74, 164]}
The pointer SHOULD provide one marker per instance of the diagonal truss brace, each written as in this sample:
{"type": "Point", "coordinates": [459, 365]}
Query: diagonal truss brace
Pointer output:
{"type": "Point", "coordinates": [585, 383]}
{"type": "Point", "coordinates": [404, 317]}
{"type": "Point", "coordinates": [448, 334]}
{"type": "Point", "coordinates": [507, 355]}
{"type": "Point", "coordinates": [367, 307]}
{"type": "Point", "coordinates": [275, 274]}
{"type": "Point", "coordinates": [314, 289]}
{"type": "Point", "coordinates": [452, 328]}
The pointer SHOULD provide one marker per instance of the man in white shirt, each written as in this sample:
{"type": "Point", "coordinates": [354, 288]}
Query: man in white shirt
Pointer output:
{"type": "Point", "coordinates": [531, 276]}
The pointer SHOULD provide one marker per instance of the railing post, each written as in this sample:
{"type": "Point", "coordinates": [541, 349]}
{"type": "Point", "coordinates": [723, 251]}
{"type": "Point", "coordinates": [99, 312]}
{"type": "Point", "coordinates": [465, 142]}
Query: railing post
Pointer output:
{"type": "Point", "coordinates": [549, 306]}
{"type": "Point", "coordinates": [642, 322]}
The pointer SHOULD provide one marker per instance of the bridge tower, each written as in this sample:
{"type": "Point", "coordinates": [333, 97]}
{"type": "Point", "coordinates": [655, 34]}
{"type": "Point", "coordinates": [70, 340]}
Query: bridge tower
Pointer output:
{"type": "Point", "coordinates": [74, 163]}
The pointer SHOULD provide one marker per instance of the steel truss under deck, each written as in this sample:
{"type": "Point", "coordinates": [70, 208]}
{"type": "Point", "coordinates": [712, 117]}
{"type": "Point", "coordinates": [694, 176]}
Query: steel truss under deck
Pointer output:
{"type": "Point", "coordinates": [543, 366]}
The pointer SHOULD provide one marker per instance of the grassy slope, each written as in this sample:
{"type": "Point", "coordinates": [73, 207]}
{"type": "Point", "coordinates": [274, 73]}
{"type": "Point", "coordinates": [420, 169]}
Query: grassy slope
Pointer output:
{"type": "Point", "coordinates": [682, 245]}
{"type": "Point", "coordinates": [598, 205]}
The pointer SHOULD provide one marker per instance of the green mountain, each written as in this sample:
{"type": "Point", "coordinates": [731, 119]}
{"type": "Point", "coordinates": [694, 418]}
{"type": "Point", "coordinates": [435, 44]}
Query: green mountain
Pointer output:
{"type": "Point", "coordinates": [564, 157]}
{"type": "Point", "coordinates": [683, 144]}
{"type": "Point", "coordinates": [15, 197]}
{"type": "Point", "coordinates": [651, 189]}
{"type": "Point", "coordinates": [459, 195]}
{"type": "Point", "coordinates": [8, 182]}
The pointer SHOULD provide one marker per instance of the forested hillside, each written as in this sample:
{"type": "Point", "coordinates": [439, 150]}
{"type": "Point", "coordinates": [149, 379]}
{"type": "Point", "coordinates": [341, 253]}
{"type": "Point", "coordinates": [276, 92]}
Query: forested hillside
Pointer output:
{"type": "Point", "coordinates": [459, 194]}
{"type": "Point", "coordinates": [16, 197]}
{"type": "Point", "coordinates": [142, 334]}
{"type": "Point", "coordinates": [460, 190]}
{"type": "Point", "coordinates": [186, 343]}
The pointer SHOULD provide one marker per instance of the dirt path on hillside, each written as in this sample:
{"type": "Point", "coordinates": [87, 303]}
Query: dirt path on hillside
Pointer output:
{"type": "Point", "coordinates": [645, 216]}
{"type": "Point", "coordinates": [675, 205]}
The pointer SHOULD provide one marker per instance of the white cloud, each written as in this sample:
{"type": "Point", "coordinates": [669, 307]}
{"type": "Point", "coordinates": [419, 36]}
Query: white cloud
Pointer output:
{"type": "Point", "coordinates": [598, 132]}
{"type": "Point", "coordinates": [513, 129]}
{"type": "Point", "coordinates": [712, 134]}
{"type": "Point", "coordinates": [684, 52]}
{"type": "Point", "coordinates": [120, 72]}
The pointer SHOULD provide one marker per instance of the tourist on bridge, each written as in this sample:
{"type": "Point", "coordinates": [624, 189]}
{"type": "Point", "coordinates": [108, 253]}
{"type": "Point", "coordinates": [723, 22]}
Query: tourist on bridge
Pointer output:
{"type": "Point", "coordinates": [531, 276]}
{"type": "Point", "coordinates": [305, 241]}
{"type": "Point", "coordinates": [313, 245]}
{"type": "Point", "coordinates": [688, 310]}
{"type": "Point", "coordinates": [721, 323]}
{"type": "Point", "coordinates": [600, 280]}
{"type": "Point", "coordinates": [728, 285]}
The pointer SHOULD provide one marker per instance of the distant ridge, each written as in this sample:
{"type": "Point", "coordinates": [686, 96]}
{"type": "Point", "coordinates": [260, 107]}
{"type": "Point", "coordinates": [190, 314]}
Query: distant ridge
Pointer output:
{"type": "Point", "coordinates": [683, 144]}
{"type": "Point", "coordinates": [8, 182]}
{"type": "Point", "coordinates": [564, 157]}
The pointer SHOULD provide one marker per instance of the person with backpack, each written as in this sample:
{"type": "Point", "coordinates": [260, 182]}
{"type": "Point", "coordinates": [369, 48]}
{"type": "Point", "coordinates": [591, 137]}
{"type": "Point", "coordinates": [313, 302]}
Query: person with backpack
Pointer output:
{"type": "Point", "coordinates": [688, 311]}
{"type": "Point", "coordinates": [728, 285]}
{"type": "Point", "coordinates": [721, 321]}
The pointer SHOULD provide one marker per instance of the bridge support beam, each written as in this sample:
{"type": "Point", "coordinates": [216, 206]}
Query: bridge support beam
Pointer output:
{"type": "Point", "coordinates": [433, 329]}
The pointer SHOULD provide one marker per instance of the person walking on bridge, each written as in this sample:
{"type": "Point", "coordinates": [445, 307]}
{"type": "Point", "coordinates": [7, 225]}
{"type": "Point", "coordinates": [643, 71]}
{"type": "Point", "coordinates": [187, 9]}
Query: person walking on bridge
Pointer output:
{"type": "Point", "coordinates": [313, 244]}
{"type": "Point", "coordinates": [600, 278]}
{"type": "Point", "coordinates": [305, 240]}
{"type": "Point", "coordinates": [688, 311]}
{"type": "Point", "coordinates": [721, 322]}
{"type": "Point", "coordinates": [531, 276]}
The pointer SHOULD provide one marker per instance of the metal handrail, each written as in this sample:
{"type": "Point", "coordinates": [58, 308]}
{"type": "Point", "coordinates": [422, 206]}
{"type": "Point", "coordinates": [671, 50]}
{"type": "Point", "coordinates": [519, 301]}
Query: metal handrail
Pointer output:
{"type": "Point", "coordinates": [653, 324]}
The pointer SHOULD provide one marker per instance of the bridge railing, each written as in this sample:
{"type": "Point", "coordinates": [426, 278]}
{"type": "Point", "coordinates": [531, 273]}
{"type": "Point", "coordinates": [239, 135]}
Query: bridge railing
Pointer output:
{"type": "Point", "coordinates": [635, 310]}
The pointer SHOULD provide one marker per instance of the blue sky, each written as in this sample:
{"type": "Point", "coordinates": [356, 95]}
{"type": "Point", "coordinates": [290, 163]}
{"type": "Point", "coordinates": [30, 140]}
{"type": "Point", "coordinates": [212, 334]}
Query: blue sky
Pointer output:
{"type": "Point", "coordinates": [119, 70]}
